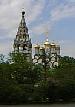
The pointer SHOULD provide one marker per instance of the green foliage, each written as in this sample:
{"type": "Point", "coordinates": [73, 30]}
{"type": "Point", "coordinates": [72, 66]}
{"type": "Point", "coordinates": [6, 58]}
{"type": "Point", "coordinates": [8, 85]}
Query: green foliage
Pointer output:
{"type": "Point", "coordinates": [1, 58]}
{"type": "Point", "coordinates": [23, 82]}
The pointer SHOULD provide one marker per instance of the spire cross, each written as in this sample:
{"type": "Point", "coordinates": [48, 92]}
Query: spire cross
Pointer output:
{"type": "Point", "coordinates": [46, 33]}
{"type": "Point", "coordinates": [23, 12]}
{"type": "Point", "coordinates": [22, 9]}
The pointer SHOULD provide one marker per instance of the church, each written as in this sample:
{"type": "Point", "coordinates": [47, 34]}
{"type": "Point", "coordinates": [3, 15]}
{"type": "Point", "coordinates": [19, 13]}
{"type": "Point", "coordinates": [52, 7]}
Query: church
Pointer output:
{"type": "Point", "coordinates": [47, 54]}
{"type": "Point", "coordinates": [22, 42]}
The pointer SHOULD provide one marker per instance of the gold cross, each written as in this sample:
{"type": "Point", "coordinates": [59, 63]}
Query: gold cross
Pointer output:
{"type": "Point", "coordinates": [22, 9]}
{"type": "Point", "coordinates": [46, 33]}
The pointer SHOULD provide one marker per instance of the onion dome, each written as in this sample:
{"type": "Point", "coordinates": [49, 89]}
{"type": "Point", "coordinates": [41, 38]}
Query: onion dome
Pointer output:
{"type": "Point", "coordinates": [53, 45]}
{"type": "Point", "coordinates": [47, 42]}
{"type": "Point", "coordinates": [37, 46]}
{"type": "Point", "coordinates": [42, 48]}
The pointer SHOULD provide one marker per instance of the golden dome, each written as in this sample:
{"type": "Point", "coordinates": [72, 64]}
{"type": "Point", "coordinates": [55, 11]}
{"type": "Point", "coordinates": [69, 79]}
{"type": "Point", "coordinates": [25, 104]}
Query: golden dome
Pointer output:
{"type": "Point", "coordinates": [53, 45]}
{"type": "Point", "coordinates": [37, 46]}
{"type": "Point", "coordinates": [47, 42]}
{"type": "Point", "coordinates": [41, 48]}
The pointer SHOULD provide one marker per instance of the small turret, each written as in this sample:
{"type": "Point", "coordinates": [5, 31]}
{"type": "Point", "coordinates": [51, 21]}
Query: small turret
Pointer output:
{"type": "Point", "coordinates": [47, 44]}
{"type": "Point", "coordinates": [42, 51]}
{"type": "Point", "coordinates": [37, 47]}
{"type": "Point", "coordinates": [58, 49]}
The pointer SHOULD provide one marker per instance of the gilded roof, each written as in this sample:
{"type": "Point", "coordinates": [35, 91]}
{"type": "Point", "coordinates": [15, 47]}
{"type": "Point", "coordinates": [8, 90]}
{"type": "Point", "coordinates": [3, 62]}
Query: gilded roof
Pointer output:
{"type": "Point", "coordinates": [37, 46]}
{"type": "Point", "coordinates": [47, 42]}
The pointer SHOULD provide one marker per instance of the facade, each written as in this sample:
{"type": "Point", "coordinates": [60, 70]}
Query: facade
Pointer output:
{"type": "Point", "coordinates": [48, 54]}
{"type": "Point", "coordinates": [22, 42]}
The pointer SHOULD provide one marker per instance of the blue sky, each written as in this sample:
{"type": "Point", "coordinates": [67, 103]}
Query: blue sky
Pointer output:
{"type": "Point", "coordinates": [55, 16]}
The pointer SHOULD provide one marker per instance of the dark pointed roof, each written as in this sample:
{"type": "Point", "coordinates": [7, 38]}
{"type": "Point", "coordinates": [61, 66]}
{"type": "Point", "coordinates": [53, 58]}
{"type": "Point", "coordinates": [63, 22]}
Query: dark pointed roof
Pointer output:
{"type": "Point", "coordinates": [22, 29]}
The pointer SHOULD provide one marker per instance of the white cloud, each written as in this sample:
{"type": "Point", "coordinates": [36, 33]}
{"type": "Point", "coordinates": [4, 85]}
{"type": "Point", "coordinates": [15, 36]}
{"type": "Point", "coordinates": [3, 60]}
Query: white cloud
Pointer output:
{"type": "Point", "coordinates": [10, 16]}
{"type": "Point", "coordinates": [62, 11]}
{"type": "Point", "coordinates": [42, 28]}
{"type": "Point", "coordinates": [36, 10]}
{"type": "Point", "coordinates": [10, 12]}
{"type": "Point", "coordinates": [39, 29]}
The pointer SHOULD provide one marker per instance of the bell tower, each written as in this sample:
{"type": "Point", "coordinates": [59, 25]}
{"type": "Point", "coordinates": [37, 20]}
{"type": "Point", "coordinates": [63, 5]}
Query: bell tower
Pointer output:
{"type": "Point", "coordinates": [22, 42]}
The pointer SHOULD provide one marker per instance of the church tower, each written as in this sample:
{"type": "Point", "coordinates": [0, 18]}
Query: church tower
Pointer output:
{"type": "Point", "coordinates": [47, 55]}
{"type": "Point", "coordinates": [22, 42]}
